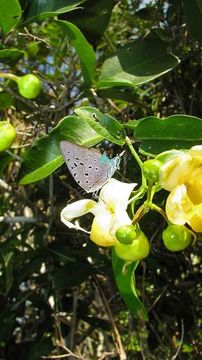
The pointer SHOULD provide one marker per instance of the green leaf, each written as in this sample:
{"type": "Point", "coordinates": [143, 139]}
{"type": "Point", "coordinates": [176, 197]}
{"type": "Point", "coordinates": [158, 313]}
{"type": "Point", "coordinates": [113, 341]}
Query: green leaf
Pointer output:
{"type": "Point", "coordinates": [137, 63]}
{"type": "Point", "coordinates": [124, 93]}
{"type": "Point", "coordinates": [10, 56]}
{"type": "Point", "coordinates": [193, 14]}
{"type": "Point", "coordinates": [92, 18]}
{"type": "Point", "coordinates": [174, 132]}
{"type": "Point", "coordinates": [84, 50]}
{"type": "Point", "coordinates": [72, 274]}
{"type": "Point", "coordinates": [38, 10]}
{"type": "Point", "coordinates": [44, 157]}
{"type": "Point", "coordinates": [132, 124]}
{"type": "Point", "coordinates": [10, 13]}
{"type": "Point", "coordinates": [6, 100]}
{"type": "Point", "coordinates": [5, 159]}
{"type": "Point", "coordinates": [104, 124]}
{"type": "Point", "coordinates": [125, 280]}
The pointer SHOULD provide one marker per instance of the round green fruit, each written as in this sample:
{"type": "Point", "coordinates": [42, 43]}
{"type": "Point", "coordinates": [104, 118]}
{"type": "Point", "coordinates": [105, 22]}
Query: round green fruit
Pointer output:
{"type": "Point", "coordinates": [125, 234]}
{"type": "Point", "coordinates": [7, 135]}
{"type": "Point", "coordinates": [33, 49]}
{"type": "Point", "coordinates": [137, 250]}
{"type": "Point", "coordinates": [29, 86]}
{"type": "Point", "coordinates": [151, 169]}
{"type": "Point", "coordinates": [176, 237]}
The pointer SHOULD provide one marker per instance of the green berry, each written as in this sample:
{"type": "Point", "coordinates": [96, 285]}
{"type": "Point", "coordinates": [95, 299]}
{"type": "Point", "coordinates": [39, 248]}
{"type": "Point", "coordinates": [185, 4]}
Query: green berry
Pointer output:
{"type": "Point", "coordinates": [138, 249]}
{"type": "Point", "coordinates": [125, 234]}
{"type": "Point", "coordinates": [151, 169]}
{"type": "Point", "coordinates": [176, 237]}
{"type": "Point", "coordinates": [7, 135]}
{"type": "Point", "coordinates": [29, 86]}
{"type": "Point", "coordinates": [33, 49]}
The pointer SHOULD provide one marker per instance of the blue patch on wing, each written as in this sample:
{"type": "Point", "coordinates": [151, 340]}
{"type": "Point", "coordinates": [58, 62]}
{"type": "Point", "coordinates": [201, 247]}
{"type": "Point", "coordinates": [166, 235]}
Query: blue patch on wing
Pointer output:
{"type": "Point", "coordinates": [104, 159]}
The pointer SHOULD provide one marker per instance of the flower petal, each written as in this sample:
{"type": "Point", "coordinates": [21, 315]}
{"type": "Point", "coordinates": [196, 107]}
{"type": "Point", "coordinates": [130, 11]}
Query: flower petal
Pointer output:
{"type": "Point", "coordinates": [196, 151]}
{"type": "Point", "coordinates": [194, 185]}
{"type": "Point", "coordinates": [76, 210]}
{"type": "Point", "coordinates": [178, 206]}
{"type": "Point", "coordinates": [101, 229]}
{"type": "Point", "coordinates": [116, 193]}
{"type": "Point", "coordinates": [196, 221]}
{"type": "Point", "coordinates": [105, 225]}
{"type": "Point", "coordinates": [174, 172]}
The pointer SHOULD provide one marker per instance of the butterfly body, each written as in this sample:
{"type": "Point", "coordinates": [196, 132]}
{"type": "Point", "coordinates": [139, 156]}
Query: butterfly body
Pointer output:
{"type": "Point", "coordinates": [90, 169]}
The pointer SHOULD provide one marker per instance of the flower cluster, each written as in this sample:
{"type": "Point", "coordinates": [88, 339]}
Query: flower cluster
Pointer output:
{"type": "Point", "coordinates": [182, 177]}
{"type": "Point", "coordinates": [180, 173]}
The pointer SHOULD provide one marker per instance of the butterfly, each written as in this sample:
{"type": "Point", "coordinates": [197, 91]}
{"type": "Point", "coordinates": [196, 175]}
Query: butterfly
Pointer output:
{"type": "Point", "coordinates": [90, 169]}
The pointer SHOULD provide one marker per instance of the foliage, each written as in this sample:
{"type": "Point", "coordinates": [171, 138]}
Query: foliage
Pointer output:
{"type": "Point", "coordinates": [108, 69]}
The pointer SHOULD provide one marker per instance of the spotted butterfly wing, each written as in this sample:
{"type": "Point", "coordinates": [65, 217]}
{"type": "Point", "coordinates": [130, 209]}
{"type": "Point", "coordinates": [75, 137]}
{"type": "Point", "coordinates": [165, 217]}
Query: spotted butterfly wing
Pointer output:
{"type": "Point", "coordinates": [89, 168]}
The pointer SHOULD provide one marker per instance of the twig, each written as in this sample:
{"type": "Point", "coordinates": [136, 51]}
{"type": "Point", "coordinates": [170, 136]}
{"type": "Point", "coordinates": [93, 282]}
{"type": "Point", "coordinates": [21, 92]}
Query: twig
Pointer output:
{"type": "Point", "coordinates": [69, 353]}
{"type": "Point", "coordinates": [107, 354]}
{"type": "Point", "coordinates": [18, 219]}
{"type": "Point", "coordinates": [181, 341]}
{"type": "Point", "coordinates": [56, 356]}
{"type": "Point", "coordinates": [111, 103]}
{"type": "Point", "coordinates": [73, 320]}
{"type": "Point", "coordinates": [19, 147]}
{"type": "Point", "coordinates": [117, 338]}
{"type": "Point", "coordinates": [14, 156]}
{"type": "Point", "coordinates": [34, 37]}
{"type": "Point", "coordinates": [51, 200]}
{"type": "Point", "coordinates": [5, 186]}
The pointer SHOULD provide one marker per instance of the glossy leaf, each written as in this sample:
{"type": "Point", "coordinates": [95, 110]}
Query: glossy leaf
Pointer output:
{"type": "Point", "coordinates": [174, 132]}
{"type": "Point", "coordinates": [137, 63]}
{"type": "Point", "coordinates": [193, 14]}
{"type": "Point", "coordinates": [84, 50]}
{"type": "Point", "coordinates": [6, 100]}
{"type": "Point", "coordinates": [38, 10]}
{"type": "Point", "coordinates": [10, 56]}
{"type": "Point", "coordinates": [44, 157]}
{"type": "Point", "coordinates": [104, 124]}
{"type": "Point", "coordinates": [10, 13]}
{"type": "Point", "coordinates": [92, 18]}
{"type": "Point", "coordinates": [125, 93]}
{"type": "Point", "coordinates": [5, 159]}
{"type": "Point", "coordinates": [125, 280]}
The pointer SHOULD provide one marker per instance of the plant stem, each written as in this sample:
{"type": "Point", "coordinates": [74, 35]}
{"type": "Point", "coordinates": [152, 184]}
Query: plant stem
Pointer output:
{"type": "Point", "coordinates": [9, 76]}
{"type": "Point", "coordinates": [158, 209]}
{"type": "Point", "coordinates": [137, 158]}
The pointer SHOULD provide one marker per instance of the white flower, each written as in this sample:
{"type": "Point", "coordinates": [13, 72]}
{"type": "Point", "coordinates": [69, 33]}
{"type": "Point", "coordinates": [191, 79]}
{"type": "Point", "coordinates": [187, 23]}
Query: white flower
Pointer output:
{"type": "Point", "coordinates": [109, 212]}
